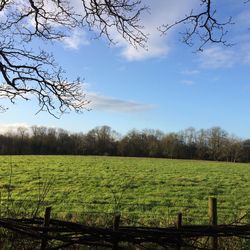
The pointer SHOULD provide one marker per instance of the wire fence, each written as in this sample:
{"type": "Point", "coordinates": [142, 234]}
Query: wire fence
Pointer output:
{"type": "Point", "coordinates": [136, 213]}
{"type": "Point", "coordinates": [147, 208]}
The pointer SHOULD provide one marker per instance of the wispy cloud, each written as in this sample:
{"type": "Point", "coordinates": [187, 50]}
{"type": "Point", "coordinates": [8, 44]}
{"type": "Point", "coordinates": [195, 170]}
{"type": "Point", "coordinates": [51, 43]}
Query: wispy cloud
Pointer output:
{"type": "Point", "coordinates": [238, 53]}
{"type": "Point", "coordinates": [223, 57]}
{"type": "Point", "coordinates": [77, 38]}
{"type": "Point", "coordinates": [161, 12]}
{"type": "Point", "coordinates": [188, 82]}
{"type": "Point", "coordinates": [218, 57]}
{"type": "Point", "coordinates": [245, 48]}
{"type": "Point", "coordinates": [190, 72]}
{"type": "Point", "coordinates": [111, 104]}
{"type": "Point", "coordinates": [243, 19]}
{"type": "Point", "coordinates": [167, 12]}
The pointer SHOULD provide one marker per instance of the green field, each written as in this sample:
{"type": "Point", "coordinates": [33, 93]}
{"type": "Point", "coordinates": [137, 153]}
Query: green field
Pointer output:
{"type": "Point", "coordinates": [150, 191]}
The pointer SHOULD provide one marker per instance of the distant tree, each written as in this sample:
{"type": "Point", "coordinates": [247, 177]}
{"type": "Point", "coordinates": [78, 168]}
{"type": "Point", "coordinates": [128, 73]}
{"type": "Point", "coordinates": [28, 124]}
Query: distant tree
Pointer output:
{"type": "Point", "coordinates": [100, 141]}
{"type": "Point", "coordinates": [38, 139]}
{"type": "Point", "coordinates": [77, 140]}
{"type": "Point", "coordinates": [51, 141]}
{"type": "Point", "coordinates": [90, 143]}
{"type": "Point", "coordinates": [145, 143]}
{"type": "Point", "coordinates": [64, 145]}
{"type": "Point", "coordinates": [134, 143]}
{"type": "Point", "coordinates": [189, 138]}
{"type": "Point", "coordinates": [106, 140]}
{"type": "Point", "coordinates": [234, 149]}
{"type": "Point", "coordinates": [217, 142]}
{"type": "Point", "coordinates": [22, 140]}
{"type": "Point", "coordinates": [172, 145]}
{"type": "Point", "coordinates": [202, 148]}
{"type": "Point", "coordinates": [153, 142]}
{"type": "Point", "coordinates": [245, 147]}
{"type": "Point", "coordinates": [210, 144]}
{"type": "Point", "coordinates": [6, 144]}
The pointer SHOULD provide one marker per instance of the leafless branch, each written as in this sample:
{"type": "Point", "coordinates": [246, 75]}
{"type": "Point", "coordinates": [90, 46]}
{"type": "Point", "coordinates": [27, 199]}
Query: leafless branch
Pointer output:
{"type": "Point", "coordinates": [123, 15]}
{"type": "Point", "coordinates": [203, 26]}
{"type": "Point", "coordinates": [27, 74]}
{"type": "Point", "coordinates": [53, 19]}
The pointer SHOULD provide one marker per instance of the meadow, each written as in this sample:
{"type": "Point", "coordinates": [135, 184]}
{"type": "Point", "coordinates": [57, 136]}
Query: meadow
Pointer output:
{"type": "Point", "coordinates": [144, 190]}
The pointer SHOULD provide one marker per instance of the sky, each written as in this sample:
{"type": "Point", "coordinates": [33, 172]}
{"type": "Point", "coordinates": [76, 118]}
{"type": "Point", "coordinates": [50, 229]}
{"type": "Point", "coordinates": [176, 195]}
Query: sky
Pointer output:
{"type": "Point", "coordinates": [169, 86]}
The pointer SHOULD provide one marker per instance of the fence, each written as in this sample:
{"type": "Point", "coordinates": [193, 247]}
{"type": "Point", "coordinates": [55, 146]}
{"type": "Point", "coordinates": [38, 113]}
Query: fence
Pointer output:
{"type": "Point", "coordinates": [48, 230]}
{"type": "Point", "coordinates": [142, 214]}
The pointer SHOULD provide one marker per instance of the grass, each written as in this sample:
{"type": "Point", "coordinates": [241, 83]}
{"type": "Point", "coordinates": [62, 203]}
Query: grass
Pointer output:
{"type": "Point", "coordinates": [150, 191]}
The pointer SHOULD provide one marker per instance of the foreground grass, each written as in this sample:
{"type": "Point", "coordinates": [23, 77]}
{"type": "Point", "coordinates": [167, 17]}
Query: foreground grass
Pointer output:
{"type": "Point", "coordinates": [146, 190]}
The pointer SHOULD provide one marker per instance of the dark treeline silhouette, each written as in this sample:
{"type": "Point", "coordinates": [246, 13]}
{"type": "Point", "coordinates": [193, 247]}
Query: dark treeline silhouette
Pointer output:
{"type": "Point", "coordinates": [205, 144]}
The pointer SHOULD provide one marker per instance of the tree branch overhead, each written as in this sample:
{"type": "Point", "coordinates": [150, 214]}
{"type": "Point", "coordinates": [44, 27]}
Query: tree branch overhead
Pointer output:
{"type": "Point", "coordinates": [202, 25]}
{"type": "Point", "coordinates": [26, 73]}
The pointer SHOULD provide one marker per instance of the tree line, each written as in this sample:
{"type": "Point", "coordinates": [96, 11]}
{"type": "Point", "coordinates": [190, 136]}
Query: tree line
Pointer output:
{"type": "Point", "coordinates": [204, 144]}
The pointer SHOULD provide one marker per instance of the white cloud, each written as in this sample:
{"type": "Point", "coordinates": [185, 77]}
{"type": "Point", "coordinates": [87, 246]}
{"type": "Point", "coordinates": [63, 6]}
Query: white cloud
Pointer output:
{"type": "Point", "coordinates": [245, 51]}
{"type": "Point", "coordinates": [162, 12]}
{"type": "Point", "coordinates": [12, 127]}
{"type": "Point", "coordinates": [155, 49]}
{"type": "Point", "coordinates": [218, 57]}
{"type": "Point", "coordinates": [243, 19]}
{"type": "Point", "coordinates": [239, 52]}
{"type": "Point", "coordinates": [212, 57]}
{"type": "Point", "coordinates": [111, 104]}
{"type": "Point", "coordinates": [77, 39]}
{"type": "Point", "coordinates": [223, 57]}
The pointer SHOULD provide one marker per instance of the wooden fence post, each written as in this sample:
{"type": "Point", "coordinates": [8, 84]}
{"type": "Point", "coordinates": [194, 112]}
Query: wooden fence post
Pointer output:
{"type": "Point", "coordinates": [0, 204]}
{"type": "Point", "coordinates": [212, 211]}
{"type": "Point", "coordinates": [116, 228]}
{"type": "Point", "coordinates": [213, 220]}
{"type": "Point", "coordinates": [179, 221]}
{"type": "Point", "coordinates": [179, 226]}
{"type": "Point", "coordinates": [45, 229]}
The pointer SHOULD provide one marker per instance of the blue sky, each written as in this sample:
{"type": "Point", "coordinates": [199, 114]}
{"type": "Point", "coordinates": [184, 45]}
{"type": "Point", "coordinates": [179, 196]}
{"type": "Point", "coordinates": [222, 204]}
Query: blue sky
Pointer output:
{"type": "Point", "coordinates": [167, 87]}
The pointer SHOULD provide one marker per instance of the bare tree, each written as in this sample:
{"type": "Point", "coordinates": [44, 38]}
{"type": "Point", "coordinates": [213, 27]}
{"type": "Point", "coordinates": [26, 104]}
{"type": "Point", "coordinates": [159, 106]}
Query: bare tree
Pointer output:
{"type": "Point", "coordinates": [26, 73]}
